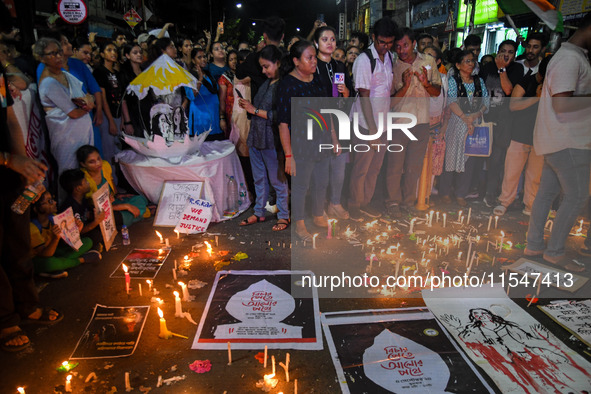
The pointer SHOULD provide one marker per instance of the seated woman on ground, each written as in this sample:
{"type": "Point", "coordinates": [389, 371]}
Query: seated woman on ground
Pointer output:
{"type": "Point", "coordinates": [51, 257]}
{"type": "Point", "coordinates": [128, 209]}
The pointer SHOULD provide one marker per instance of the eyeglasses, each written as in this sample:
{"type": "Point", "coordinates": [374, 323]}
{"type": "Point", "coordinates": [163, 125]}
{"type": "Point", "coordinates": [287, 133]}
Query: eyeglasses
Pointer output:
{"type": "Point", "coordinates": [384, 43]}
{"type": "Point", "coordinates": [59, 52]}
{"type": "Point", "coordinates": [469, 61]}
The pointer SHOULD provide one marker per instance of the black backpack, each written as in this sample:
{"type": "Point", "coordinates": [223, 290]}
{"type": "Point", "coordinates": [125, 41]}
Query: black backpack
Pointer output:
{"type": "Point", "coordinates": [372, 60]}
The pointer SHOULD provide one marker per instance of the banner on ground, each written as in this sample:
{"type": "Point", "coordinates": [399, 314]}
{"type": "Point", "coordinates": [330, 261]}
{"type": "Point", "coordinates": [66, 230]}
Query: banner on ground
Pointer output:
{"type": "Point", "coordinates": [142, 263]}
{"type": "Point", "coordinates": [252, 309]}
{"type": "Point", "coordinates": [575, 316]}
{"type": "Point", "coordinates": [113, 331]}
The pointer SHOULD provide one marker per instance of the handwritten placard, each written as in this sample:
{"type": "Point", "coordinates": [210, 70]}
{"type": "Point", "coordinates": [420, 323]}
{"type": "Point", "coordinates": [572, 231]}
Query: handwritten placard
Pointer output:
{"type": "Point", "coordinates": [102, 202]}
{"type": "Point", "coordinates": [69, 229]}
{"type": "Point", "coordinates": [173, 199]}
{"type": "Point", "coordinates": [142, 263]}
{"type": "Point", "coordinates": [196, 217]}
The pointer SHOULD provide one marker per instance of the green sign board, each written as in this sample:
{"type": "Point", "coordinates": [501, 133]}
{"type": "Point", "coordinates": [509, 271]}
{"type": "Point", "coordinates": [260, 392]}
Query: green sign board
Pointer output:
{"type": "Point", "coordinates": [486, 12]}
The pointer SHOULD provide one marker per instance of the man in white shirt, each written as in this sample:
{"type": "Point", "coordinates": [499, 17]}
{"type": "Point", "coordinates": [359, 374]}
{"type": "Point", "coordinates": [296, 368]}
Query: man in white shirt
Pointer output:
{"type": "Point", "coordinates": [562, 135]}
{"type": "Point", "coordinates": [373, 80]}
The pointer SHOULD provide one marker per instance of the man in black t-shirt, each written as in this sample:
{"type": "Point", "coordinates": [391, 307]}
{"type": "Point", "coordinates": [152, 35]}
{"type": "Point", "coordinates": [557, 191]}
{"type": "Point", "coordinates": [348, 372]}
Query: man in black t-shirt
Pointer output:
{"type": "Point", "coordinates": [524, 108]}
{"type": "Point", "coordinates": [500, 76]}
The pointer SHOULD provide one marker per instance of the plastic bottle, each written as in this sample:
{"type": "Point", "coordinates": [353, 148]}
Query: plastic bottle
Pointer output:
{"type": "Point", "coordinates": [125, 235]}
{"type": "Point", "coordinates": [30, 194]}
{"type": "Point", "coordinates": [232, 199]}
{"type": "Point", "coordinates": [242, 195]}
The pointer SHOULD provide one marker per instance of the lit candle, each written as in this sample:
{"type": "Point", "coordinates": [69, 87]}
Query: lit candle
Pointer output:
{"type": "Point", "coordinates": [313, 245]}
{"type": "Point", "coordinates": [460, 215]}
{"type": "Point", "coordinates": [469, 214]}
{"type": "Point", "coordinates": [21, 390]}
{"type": "Point", "coordinates": [139, 285]}
{"type": "Point", "coordinates": [149, 282]}
{"type": "Point", "coordinates": [489, 222]}
{"type": "Point", "coordinates": [178, 235]}
{"type": "Point", "coordinates": [127, 278]}
{"type": "Point", "coordinates": [459, 255]}
{"type": "Point", "coordinates": [185, 291]}
{"type": "Point", "coordinates": [412, 225]}
{"type": "Point", "coordinates": [127, 383]}
{"type": "Point", "coordinates": [462, 220]}
{"type": "Point", "coordinates": [69, 384]}
{"type": "Point", "coordinates": [160, 236]}
{"type": "Point", "coordinates": [164, 333]}
{"type": "Point", "coordinates": [265, 364]}
{"type": "Point", "coordinates": [431, 218]}
{"type": "Point", "coordinates": [496, 221]}
{"type": "Point", "coordinates": [437, 216]}
{"type": "Point", "coordinates": [329, 229]}
{"type": "Point", "coordinates": [371, 257]}
{"type": "Point", "coordinates": [229, 354]}
{"type": "Point", "coordinates": [178, 308]}
{"type": "Point", "coordinates": [502, 237]}
{"type": "Point", "coordinates": [444, 219]}
{"type": "Point", "coordinates": [580, 226]}
{"type": "Point", "coordinates": [209, 248]}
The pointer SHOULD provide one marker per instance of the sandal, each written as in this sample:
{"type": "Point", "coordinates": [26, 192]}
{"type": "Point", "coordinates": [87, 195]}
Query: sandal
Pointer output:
{"type": "Point", "coordinates": [305, 237]}
{"type": "Point", "coordinates": [44, 318]}
{"type": "Point", "coordinates": [14, 348]}
{"type": "Point", "coordinates": [499, 210]}
{"type": "Point", "coordinates": [249, 220]}
{"type": "Point", "coordinates": [281, 225]}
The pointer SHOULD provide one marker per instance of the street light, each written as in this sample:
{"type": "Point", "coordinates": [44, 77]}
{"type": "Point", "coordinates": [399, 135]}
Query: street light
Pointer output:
{"type": "Point", "coordinates": [239, 5]}
{"type": "Point", "coordinates": [297, 29]}
{"type": "Point", "coordinates": [254, 23]}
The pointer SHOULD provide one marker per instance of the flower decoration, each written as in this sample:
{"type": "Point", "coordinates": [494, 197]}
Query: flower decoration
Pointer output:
{"type": "Point", "coordinates": [200, 366]}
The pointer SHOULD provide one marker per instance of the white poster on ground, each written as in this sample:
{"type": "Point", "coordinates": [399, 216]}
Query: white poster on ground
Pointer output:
{"type": "Point", "coordinates": [515, 350]}
{"type": "Point", "coordinates": [252, 309]}
{"type": "Point", "coordinates": [574, 315]}
{"type": "Point", "coordinates": [397, 351]}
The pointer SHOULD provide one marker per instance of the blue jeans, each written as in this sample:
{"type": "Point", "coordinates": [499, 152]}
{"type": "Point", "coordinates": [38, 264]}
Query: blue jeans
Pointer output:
{"type": "Point", "coordinates": [308, 172]}
{"type": "Point", "coordinates": [265, 162]}
{"type": "Point", "coordinates": [566, 171]}
{"type": "Point", "coordinates": [337, 176]}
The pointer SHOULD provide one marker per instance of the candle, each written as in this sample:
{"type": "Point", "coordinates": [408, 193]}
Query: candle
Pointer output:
{"type": "Point", "coordinates": [164, 333]}
{"type": "Point", "coordinates": [265, 364]}
{"type": "Point", "coordinates": [489, 222]}
{"type": "Point", "coordinates": [160, 236]}
{"type": "Point", "coordinates": [444, 219]}
{"type": "Point", "coordinates": [295, 386]}
{"type": "Point", "coordinates": [185, 291]}
{"type": "Point", "coordinates": [209, 248]}
{"type": "Point", "coordinates": [286, 367]}
{"type": "Point", "coordinates": [469, 250]}
{"type": "Point", "coordinates": [502, 237]}
{"type": "Point", "coordinates": [462, 220]}
{"type": "Point", "coordinates": [69, 384]}
{"type": "Point", "coordinates": [21, 390]}
{"type": "Point", "coordinates": [229, 354]}
{"type": "Point", "coordinates": [139, 285]}
{"type": "Point", "coordinates": [127, 278]}
{"type": "Point", "coordinates": [459, 255]}
{"type": "Point", "coordinates": [580, 226]}
{"type": "Point", "coordinates": [217, 241]}
{"type": "Point", "coordinates": [371, 257]}
{"type": "Point", "coordinates": [174, 274]}
{"type": "Point", "coordinates": [469, 214]}
{"type": "Point", "coordinates": [329, 229]}
{"type": "Point", "coordinates": [313, 245]}
{"type": "Point", "coordinates": [178, 308]}
{"type": "Point", "coordinates": [496, 221]}
{"type": "Point", "coordinates": [167, 243]}
{"type": "Point", "coordinates": [273, 365]}
{"type": "Point", "coordinates": [149, 282]}
{"type": "Point", "coordinates": [437, 216]}
{"type": "Point", "coordinates": [460, 215]}
{"type": "Point", "coordinates": [412, 225]}
{"type": "Point", "coordinates": [127, 383]}
{"type": "Point", "coordinates": [178, 235]}
{"type": "Point", "coordinates": [431, 218]}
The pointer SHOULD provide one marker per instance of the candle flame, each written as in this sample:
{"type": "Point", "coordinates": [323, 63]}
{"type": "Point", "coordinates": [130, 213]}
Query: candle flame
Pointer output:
{"type": "Point", "coordinates": [21, 390]}
{"type": "Point", "coordinates": [124, 268]}
{"type": "Point", "coordinates": [177, 233]}
{"type": "Point", "coordinates": [186, 257]}
{"type": "Point", "coordinates": [176, 293]}
{"type": "Point", "coordinates": [181, 284]}
{"type": "Point", "coordinates": [209, 248]}
{"type": "Point", "coordinates": [69, 377]}
{"type": "Point", "coordinates": [148, 281]}
{"type": "Point", "coordinates": [160, 313]}
{"type": "Point", "coordinates": [269, 376]}
{"type": "Point", "coordinates": [159, 235]}
{"type": "Point", "coordinates": [65, 364]}
{"type": "Point", "coordinates": [502, 233]}
{"type": "Point", "coordinates": [160, 251]}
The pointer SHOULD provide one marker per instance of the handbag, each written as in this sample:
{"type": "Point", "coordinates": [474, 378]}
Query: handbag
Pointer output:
{"type": "Point", "coordinates": [480, 142]}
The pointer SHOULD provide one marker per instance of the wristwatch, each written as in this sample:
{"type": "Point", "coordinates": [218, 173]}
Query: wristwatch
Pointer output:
{"type": "Point", "coordinates": [502, 70]}
{"type": "Point", "coordinates": [256, 111]}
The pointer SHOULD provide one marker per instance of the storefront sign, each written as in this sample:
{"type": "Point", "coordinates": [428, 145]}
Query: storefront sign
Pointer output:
{"type": "Point", "coordinates": [73, 12]}
{"type": "Point", "coordinates": [429, 13]}
{"type": "Point", "coordinates": [486, 12]}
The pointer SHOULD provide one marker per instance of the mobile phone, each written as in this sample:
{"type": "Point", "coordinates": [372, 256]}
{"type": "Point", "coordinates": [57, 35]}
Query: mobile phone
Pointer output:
{"type": "Point", "coordinates": [320, 17]}
{"type": "Point", "coordinates": [238, 93]}
{"type": "Point", "coordinates": [221, 27]}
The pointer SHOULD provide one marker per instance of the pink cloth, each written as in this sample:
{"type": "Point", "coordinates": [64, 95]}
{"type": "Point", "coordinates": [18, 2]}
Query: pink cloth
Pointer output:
{"type": "Point", "coordinates": [217, 159]}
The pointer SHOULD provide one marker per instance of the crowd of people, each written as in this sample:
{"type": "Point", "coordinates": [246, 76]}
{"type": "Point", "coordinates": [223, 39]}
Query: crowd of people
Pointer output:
{"type": "Point", "coordinates": [244, 93]}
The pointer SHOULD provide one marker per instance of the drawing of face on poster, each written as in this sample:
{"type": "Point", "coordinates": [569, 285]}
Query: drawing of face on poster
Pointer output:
{"type": "Point", "coordinates": [180, 124]}
{"type": "Point", "coordinates": [161, 123]}
{"type": "Point", "coordinates": [399, 364]}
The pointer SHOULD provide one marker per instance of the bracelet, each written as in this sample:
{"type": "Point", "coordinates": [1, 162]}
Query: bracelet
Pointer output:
{"type": "Point", "coordinates": [287, 156]}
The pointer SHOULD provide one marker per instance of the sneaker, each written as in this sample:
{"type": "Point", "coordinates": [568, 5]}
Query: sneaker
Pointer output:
{"type": "Point", "coordinates": [355, 214]}
{"type": "Point", "coordinates": [370, 211]}
{"type": "Point", "coordinates": [499, 210]}
{"type": "Point", "coordinates": [526, 212]}
{"type": "Point", "coordinates": [584, 251]}
{"type": "Point", "coordinates": [54, 275]}
{"type": "Point", "coordinates": [337, 211]}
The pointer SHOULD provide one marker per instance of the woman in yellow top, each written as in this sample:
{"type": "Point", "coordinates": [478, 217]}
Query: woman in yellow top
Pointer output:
{"type": "Point", "coordinates": [97, 173]}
